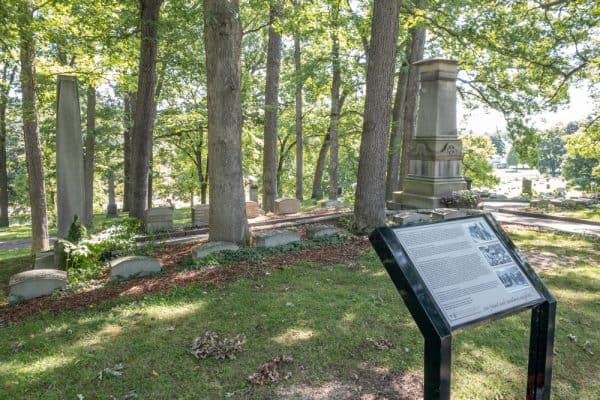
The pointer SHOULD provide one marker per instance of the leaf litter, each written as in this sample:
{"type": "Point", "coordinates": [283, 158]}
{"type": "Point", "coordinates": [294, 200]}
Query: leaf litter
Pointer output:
{"type": "Point", "coordinates": [268, 373]}
{"type": "Point", "coordinates": [211, 344]}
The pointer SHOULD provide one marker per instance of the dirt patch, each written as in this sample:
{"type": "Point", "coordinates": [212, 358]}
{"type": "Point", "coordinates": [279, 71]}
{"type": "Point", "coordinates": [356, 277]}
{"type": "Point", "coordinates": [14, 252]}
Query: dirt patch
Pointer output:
{"type": "Point", "coordinates": [366, 383]}
{"type": "Point", "coordinates": [169, 257]}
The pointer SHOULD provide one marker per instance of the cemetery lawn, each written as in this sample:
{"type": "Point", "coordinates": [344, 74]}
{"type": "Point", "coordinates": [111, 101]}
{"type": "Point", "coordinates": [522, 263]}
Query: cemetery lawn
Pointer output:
{"type": "Point", "coordinates": [590, 214]}
{"type": "Point", "coordinates": [326, 316]}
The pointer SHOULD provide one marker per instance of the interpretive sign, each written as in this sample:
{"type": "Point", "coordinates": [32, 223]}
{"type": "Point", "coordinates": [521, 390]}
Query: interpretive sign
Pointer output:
{"type": "Point", "coordinates": [456, 273]}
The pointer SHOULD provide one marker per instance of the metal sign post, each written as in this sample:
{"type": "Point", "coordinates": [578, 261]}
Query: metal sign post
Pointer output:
{"type": "Point", "coordinates": [462, 272]}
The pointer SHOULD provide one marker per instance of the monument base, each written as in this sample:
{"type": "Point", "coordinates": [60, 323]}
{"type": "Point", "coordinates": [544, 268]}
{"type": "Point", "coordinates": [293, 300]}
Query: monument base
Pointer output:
{"type": "Point", "coordinates": [424, 192]}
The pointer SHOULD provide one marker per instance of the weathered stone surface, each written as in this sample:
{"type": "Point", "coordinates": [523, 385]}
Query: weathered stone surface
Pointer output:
{"type": "Point", "coordinates": [287, 206]}
{"type": "Point", "coordinates": [206, 249]}
{"type": "Point", "coordinates": [321, 231]}
{"type": "Point", "coordinates": [275, 238]}
{"type": "Point", "coordinates": [539, 203]}
{"type": "Point", "coordinates": [44, 260]}
{"type": "Point", "coordinates": [69, 155]}
{"type": "Point", "coordinates": [131, 266]}
{"type": "Point", "coordinates": [253, 193]}
{"type": "Point", "coordinates": [200, 215]}
{"type": "Point", "coordinates": [35, 283]}
{"type": "Point", "coordinates": [252, 209]}
{"type": "Point", "coordinates": [331, 203]}
{"type": "Point", "coordinates": [444, 214]}
{"type": "Point", "coordinates": [526, 186]}
{"type": "Point", "coordinates": [158, 219]}
{"type": "Point", "coordinates": [409, 217]}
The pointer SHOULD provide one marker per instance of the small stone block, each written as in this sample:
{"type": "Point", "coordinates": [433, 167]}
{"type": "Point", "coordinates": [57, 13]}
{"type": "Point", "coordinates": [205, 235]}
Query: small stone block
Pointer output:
{"type": "Point", "coordinates": [35, 283]}
{"type": "Point", "coordinates": [408, 217]}
{"type": "Point", "coordinates": [321, 231]}
{"type": "Point", "coordinates": [276, 238]}
{"type": "Point", "coordinates": [206, 249]}
{"type": "Point", "coordinates": [331, 204]}
{"type": "Point", "coordinates": [158, 219]}
{"type": "Point", "coordinates": [444, 214]}
{"type": "Point", "coordinates": [126, 267]}
{"type": "Point", "coordinates": [44, 260]}
{"type": "Point", "coordinates": [252, 209]}
{"type": "Point", "coordinates": [287, 206]}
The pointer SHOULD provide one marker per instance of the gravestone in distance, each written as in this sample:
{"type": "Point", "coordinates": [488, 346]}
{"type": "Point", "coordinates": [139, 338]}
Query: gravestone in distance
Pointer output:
{"type": "Point", "coordinates": [208, 248]}
{"type": "Point", "coordinates": [331, 204]}
{"type": "Point", "coordinates": [158, 219]}
{"type": "Point", "coordinates": [111, 209]}
{"type": "Point", "coordinates": [322, 231]}
{"type": "Point", "coordinates": [200, 215]}
{"type": "Point", "coordinates": [69, 155]}
{"type": "Point", "coordinates": [253, 189]}
{"type": "Point", "coordinates": [35, 283]}
{"type": "Point", "coordinates": [275, 238]}
{"type": "Point", "coordinates": [287, 206]}
{"type": "Point", "coordinates": [526, 186]}
{"type": "Point", "coordinates": [444, 214]}
{"type": "Point", "coordinates": [411, 217]}
{"type": "Point", "coordinates": [252, 209]}
{"type": "Point", "coordinates": [133, 266]}
{"type": "Point", "coordinates": [435, 154]}
{"type": "Point", "coordinates": [44, 260]}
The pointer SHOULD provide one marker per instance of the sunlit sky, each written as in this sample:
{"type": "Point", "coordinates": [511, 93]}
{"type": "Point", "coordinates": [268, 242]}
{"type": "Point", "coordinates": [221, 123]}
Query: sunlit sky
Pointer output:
{"type": "Point", "coordinates": [487, 121]}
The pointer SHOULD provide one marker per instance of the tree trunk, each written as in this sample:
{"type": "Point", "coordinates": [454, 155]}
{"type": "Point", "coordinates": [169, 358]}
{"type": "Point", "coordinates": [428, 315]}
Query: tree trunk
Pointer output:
{"type": "Point", "coordinates": [369, 208]}
{"type": "Point", "coordinates": [271, 107]}
{"type": "Point", "coordinates": [8, 76]}
{"type": "Point", "coordinates": [317, 188]}
{"type": "Point", "coordinates": [335, 103]}
{"type": "Point", "coordinates": [128, 100]}
{"type": "Point", "coordinates": [31, 132]}
{"type": "Point", "coordinates": [150, 188]}
{"type": "Point", "coordinates": [299, 145]}
{"type": "Point", "coordinates": [417, 49]}
{"type": "Point", "coordinates": [223, 37]}
{"type": "Point", "coordinates": [204, 186]}
{"type": "Point", "coordinates": [391, 184]}
{"type": "Point", "coordinates": [88, 163]}
{"type": "Point", "coordinates": [145, 109]}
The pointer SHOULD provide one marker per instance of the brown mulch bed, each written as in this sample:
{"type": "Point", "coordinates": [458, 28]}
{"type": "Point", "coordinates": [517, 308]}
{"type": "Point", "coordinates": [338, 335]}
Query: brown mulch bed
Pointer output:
{"type": "Point", "coordinates": [169, 257]}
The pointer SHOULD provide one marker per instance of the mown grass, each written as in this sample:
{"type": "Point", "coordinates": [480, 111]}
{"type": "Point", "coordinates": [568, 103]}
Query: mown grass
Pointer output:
{"type": "Point", "coordinates": [322, 315]}
{"type": "Point", "coordinates": [592, 214]}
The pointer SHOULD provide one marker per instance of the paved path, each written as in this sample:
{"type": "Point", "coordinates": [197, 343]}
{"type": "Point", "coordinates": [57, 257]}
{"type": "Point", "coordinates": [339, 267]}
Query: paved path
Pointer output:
{"type": "Point", "coordinates": [569, 227]}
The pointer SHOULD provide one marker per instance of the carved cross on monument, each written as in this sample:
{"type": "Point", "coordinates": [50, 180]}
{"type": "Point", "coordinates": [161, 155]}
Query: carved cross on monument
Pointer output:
{"type": "Point", "coordinates": [435, 158]}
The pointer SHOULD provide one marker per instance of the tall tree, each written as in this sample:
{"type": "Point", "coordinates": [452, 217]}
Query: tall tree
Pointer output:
{"type": "Point", "coordinates": [369, 208]}
{"type": "Point", "coordinates": [128, 99]}
{"type": "Point", "coordinates": [31, 130]}
{"type": "Point", "coordinates": [223, 36]}
{"type": "Point", "coordinates": [417, 49]}
{"type": "Point", "coordinates": [271, 110]}
{"type": "Point", "coordinates": [299, 80]}
{"type": "Point", "coordinates": [8, 76]}
{"type": "Point", "coordinates": [145, 109]}
{"type": "Point", "coordinates": [88, 161]}
{"type": "Point", "coordinates": [393, 165]}
{"type": "Point", "coordinates": [334, 118]}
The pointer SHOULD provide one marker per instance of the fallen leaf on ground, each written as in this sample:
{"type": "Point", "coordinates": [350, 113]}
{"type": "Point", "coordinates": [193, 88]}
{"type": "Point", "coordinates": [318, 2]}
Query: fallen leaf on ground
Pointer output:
{"type": "Point", "coordinates": [214, 345]}
{"type": "Point", "coordinates": [268, 373]}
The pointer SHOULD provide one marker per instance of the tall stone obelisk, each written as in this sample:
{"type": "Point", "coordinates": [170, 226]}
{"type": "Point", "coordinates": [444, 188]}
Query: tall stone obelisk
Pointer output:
{"type": "Point", "coordinates": [435, 156]}
{"type": "Point", "coordinates": [69, 154]}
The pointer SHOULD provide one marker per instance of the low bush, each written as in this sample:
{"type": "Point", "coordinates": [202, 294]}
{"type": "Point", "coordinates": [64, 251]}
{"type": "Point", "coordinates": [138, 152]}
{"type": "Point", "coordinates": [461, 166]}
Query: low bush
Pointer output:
{"type": "Point", "coordinates": [461, 199]}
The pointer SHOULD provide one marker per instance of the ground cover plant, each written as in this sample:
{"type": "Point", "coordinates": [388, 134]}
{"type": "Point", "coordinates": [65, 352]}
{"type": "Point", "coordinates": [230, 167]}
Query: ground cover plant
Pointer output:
{"type": "Point", "coordinates": [339, 322]}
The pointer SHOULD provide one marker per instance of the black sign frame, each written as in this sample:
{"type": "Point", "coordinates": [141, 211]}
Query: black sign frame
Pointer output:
{"type": "Point", "coordinates": [436, 330]}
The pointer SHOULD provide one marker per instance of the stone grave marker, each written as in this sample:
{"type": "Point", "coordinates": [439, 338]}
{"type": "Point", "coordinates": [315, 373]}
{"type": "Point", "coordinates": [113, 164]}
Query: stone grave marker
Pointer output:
{"type": "Point", "coordinates": [208, 248]}
{"type": "Point", "coordinates": [275, 238]}
{"type": "Point", "coordinates": [410, 217]}
{"type": "Point", "coordinates": [252, 209]}
{"type": "Point", "coordinates": [35, 283]}
{"type": "Point", "coordinates": [322, 231]}
{"type": "Point", "coordinates": [44, 260]}
{"type": "Point", "coordinates": [69, 155]}
{"type": "Point", "coordinates": [158, 219]}
{"type": "Point", "coordinates": [287, 206]}
{"type": "Point", "coordinates": [526, 186]}
{"type": "Point", "coordinates": [200, 215]}
{"type": "Point", "coordinates": [444, 214]}
{"type": "Point", "coordinates": [133, 266]}
{"type": "Point", "coordinates": [331, 204]}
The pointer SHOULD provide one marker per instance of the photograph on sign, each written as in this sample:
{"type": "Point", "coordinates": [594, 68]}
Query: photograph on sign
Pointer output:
{"type": "Point", "coordinates": [467, 269]}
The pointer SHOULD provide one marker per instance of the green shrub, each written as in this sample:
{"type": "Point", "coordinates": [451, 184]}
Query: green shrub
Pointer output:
{"type": "Point", "coordinates": [77, 231]}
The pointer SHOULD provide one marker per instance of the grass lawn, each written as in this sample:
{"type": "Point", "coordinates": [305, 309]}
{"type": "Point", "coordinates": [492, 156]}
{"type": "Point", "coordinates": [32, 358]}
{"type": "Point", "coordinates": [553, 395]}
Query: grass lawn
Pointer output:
{"type": "Point", "coordinates": [324, 316]}
{"type": "Point", "coordinates": [592, 214]}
